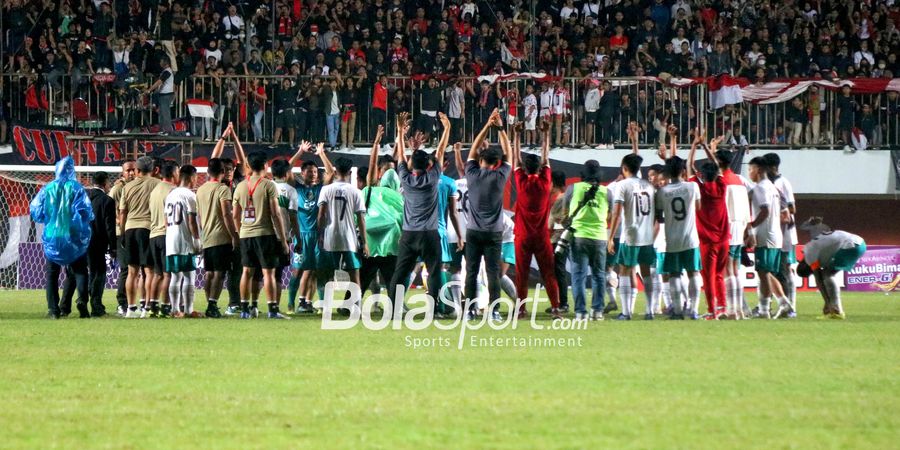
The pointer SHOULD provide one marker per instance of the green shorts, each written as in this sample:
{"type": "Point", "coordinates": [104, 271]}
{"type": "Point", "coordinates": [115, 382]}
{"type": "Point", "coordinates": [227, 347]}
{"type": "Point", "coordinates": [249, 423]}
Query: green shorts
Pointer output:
{"type": "Point", "coordinates": [789, 257]}
{"type": "Point", "coordinates": [613, 259]}
{"type": "Point", "coordinates": [768, 259]}
{"type": "Point", "coordinates": [660, 262]}
{"type": "Point", "coordinates": [734, 252]}
{"type": "Point", "coordinates": [508, 251]}
{"type": "Point", "coordinates": [644, 255]}
{"type": "Point", "coordinates": [180, 263]}
{"type": "Point", "coordinates": [845, 259]}
{"type": "Point", "coordinates": [339, 260]}
{"type": "Point", "coordinates": [309, 256]}
{"type": "Point", "coordinates": [687, 260]}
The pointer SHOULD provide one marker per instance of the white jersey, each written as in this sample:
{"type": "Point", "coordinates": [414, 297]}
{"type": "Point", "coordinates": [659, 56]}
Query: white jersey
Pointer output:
{"type": "Point", "coordinates": [768, 233]}
{"type": "Point", "coordinates": [737, 200]}
{"type": "Point", "coordinates": [180, 207]}
{"type": "Point", "coordinates": [546, 102]}
{"type": "Point", "coordinates": [342, 201]}
{"type": "Point", "coordinates": [529, 103]}
{"type": "Point", "coordinates": [659, 244]}
{"type": "Point", "coordinates": [636, 196]}
{"type": "Point", "coordinates": [678, 203]}
{"type": "Point", "coordinates": [612, 190]}
{"type": "Point", "coordinates": [787, 200]}
{"type": "Point", "coordinates": [288, 203]}
{"type": "Point", "coordinates": [462, 207]}
{"type": "Point", "coordinates": [821, 250]}
{"type": "Point", "coordinates": [509, 234]}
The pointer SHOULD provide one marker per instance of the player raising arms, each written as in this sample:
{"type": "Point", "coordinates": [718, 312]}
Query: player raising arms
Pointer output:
{"type": "Point", "coordinates": [764, 233]}
{"type": "Point", "coordinates": [420, 177]}
{"type": "Point", "coordinates": [532, 211]}
{"type": "Point", "coordinates": [306, 259]}
{"type": "Point", "coordinates": [486, 174]}
{"type": "Point", "coordinates": [263, 237]}
{"type": "Point", "coordinates": [339, 204]}
{"type": "Point", "coordinates": [287, 207]}
{"type": "Point", "coordinates": [676, 206]}
{"type": "Point", "coordinates": [134, 221]}
{"type": "Point", "coordinates": [634, 213]}
{"type": "Point", "coordinates": [182, 243]}
{"type": "Point", "coordinates": [827, 253]}
{"type": "Point", "coordinates": [219, 236]}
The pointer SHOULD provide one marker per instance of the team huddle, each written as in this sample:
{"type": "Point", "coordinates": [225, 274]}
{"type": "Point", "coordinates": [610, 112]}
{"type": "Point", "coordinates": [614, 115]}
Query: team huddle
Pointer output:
{"type": "Point", "coordinates": [675, 228]}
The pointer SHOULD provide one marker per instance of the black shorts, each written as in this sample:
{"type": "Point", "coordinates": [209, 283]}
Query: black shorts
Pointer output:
{"type": "Point", "coordinates": [218, 258]}
{"type": "Point", "coordinates": [283, 261]}
{"type": "Point", "coordinates": [261, 252]}
{"type": "Point", "coordinates": [136, 247]}
{"type": "Point", "coordinates": [285, 119]}
{"type": "Point", "coordinates": [158, 254]}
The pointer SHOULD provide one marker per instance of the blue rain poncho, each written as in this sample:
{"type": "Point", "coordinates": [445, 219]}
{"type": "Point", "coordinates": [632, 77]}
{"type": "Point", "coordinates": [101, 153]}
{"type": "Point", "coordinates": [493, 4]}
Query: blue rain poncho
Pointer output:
{"type": "Point", "coordinates": [64, 209]}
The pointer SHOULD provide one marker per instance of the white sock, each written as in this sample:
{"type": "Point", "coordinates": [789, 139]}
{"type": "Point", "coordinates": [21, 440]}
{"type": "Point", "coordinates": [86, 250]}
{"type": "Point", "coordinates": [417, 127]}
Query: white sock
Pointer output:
{"type": "Point", "coordinates": [792, 289]}
{"type": "Point", "coordinates": [763, 304]}
{"type": "Point", "coordinates": [694, 283]}
{"type": "Point", "coordinates": [625, 292]}
{"type": "Point", "coordinates": [187, 290]}
{"type": "Point", "coordinates": [175, 292]}
{"type": "Point", "coordinates": [456, 289]}
{"type": "Point", "coordinates": [835, 289]}
{"type": "Point", "coordinates": [665, 293]}
{"type": "Point", "coordinates": [509, 288]}
{"type": "Point", "coordinates": [650, 291]}
{"type": "Point", "coordinates": [685, 295]}
{"type": "Point", "coordinates": [675, 292]}
{"type": "Point", "coordinates": [730, 303]}
{"type": "Point", "coordinates": [612, 281]}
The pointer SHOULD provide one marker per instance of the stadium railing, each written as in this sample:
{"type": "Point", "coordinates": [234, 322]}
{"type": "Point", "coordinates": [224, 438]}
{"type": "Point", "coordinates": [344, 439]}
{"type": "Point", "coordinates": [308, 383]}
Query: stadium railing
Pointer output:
{"type": "Point", "coordinates": [101, 102]}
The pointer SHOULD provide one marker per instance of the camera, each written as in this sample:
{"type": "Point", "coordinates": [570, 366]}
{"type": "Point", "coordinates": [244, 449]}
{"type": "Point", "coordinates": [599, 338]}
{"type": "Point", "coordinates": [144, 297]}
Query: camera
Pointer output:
{"type": "Point", "coordinates": [564, 242]}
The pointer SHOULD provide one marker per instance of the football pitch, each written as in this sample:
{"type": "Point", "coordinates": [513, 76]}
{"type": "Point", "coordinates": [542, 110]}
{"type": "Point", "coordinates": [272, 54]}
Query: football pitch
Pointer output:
{"type": "Point", "coordinates": [115, 383]}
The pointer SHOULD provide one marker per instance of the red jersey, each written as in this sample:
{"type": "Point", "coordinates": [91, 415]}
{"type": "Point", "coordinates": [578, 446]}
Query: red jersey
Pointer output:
{"type": "Point", "coordinates": [532, 204]}
{"type": "Point", "coordinates": [712, 217]}
{"type": "Point", "coordinates": [379, 99]}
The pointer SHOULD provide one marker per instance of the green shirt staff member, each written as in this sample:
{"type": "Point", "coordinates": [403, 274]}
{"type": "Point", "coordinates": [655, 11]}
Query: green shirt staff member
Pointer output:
{"type": "Point", "coordinates": [589, 211]}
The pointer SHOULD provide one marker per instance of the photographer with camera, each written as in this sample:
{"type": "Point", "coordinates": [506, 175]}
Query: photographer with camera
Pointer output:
{"type": "Point", "coordinates": [586, 236]}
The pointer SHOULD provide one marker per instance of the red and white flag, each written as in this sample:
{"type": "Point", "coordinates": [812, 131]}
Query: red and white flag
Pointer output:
{"type": "Point", "coordinates": [725, 90]}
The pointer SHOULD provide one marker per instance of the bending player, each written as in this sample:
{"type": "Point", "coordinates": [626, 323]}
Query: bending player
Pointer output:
{"type": "Point", "coordinates": [824, 256]}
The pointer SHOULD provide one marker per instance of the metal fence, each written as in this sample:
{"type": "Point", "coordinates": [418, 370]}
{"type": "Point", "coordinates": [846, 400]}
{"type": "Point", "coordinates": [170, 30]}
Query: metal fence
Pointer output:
{"type": "Point", "coordinates": [105, 102]}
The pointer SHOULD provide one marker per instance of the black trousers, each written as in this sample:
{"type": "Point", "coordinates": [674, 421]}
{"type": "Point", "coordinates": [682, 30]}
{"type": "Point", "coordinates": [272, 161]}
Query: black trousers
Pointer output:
{"type": "Point", "coordinates": [121, 297]}
{"type": "Point", "coordinates": [487, 245]}
{"type": "Point", "coordinates": [96, 279]}
{"type": "Point", "coordinates": [562, 278]}
{"type": "Point", "coordinates": [415, 245]}
{"type": "Point", "coordinates": [79, 271]}
{"type": "Point", "coordinates": [369, 269]}
{"type": "Point", "coordinates": [379, 117]}
{"type": "Point", "coordinates": [233, 278]}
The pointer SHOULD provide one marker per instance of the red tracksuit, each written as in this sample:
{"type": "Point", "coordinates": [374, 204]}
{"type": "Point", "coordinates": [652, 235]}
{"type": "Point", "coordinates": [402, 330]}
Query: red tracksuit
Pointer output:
{"type": "Point", "coordinates": [714, 230]}
{"type": "Point", "coordinates": [532, 239]}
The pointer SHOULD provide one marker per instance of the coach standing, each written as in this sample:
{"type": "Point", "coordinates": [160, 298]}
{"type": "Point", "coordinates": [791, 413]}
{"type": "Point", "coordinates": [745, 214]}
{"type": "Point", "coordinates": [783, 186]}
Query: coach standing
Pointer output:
{"type": "Point", "coordinates": [63, 208]}
{"type": "Point", "coordinates": [103, 239]}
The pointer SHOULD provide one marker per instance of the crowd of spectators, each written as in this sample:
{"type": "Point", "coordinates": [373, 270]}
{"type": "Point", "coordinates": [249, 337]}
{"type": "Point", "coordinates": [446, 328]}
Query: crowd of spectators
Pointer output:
{"type": "Point", "coordinates": [348, 46]}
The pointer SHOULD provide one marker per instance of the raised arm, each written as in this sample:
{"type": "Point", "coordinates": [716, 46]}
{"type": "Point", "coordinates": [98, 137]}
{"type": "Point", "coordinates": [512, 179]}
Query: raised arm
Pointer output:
{"type": "Point", "coordinates": [400, 147]}
{"type": "Point", "coordinates": [329, 168]}
{"type": "Point", "coordinates": [476, 144]}
{"type": "Point", "coordinates": [507, 148]}
{"type": "Point", "coordinates": [673, 140]}
{"type": "Point", "coordinates": [445, 139]}
{"type": "Point", "coordinates": [373, 157]}
{"type": "Point", "coordinates": [220, 144]}
{"type": "Point", "coordinates": [692, 155]}
{"type": "Point", "coordinates": [457, 157]}
{"type": "Point", "coordinates": [516, 157]}
{"type": "Point", "coordinates": [301, 149]}
{"type": "Point", "coordinates": [239, 156]}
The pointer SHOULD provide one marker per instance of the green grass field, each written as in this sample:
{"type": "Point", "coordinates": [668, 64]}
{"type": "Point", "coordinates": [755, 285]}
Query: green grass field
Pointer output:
{"type": "Point", "coordinates": [114, 383]}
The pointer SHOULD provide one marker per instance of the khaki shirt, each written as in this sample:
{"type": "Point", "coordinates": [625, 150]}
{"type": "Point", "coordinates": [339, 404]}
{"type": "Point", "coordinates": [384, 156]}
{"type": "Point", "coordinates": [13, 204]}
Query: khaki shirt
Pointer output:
{"type": "Point", "coordinates": [212, 222]}
{"type": "Point", "coordinates": [136, 197]}
{"type": "Point", "coordinates": [158, 208]}
{"type": "Point", "coordinates": [256, 217]}
{"type": "Point", "coordinates": [116, 194]}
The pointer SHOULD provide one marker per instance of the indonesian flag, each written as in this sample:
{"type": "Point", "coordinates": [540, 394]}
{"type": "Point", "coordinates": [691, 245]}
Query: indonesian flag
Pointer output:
{"type": "Point", "coordinates": [725, 90]}
{"type": "Point", "coordinates": [200, 108]}
{"type": "Point", "coordinates": [858, 139]}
